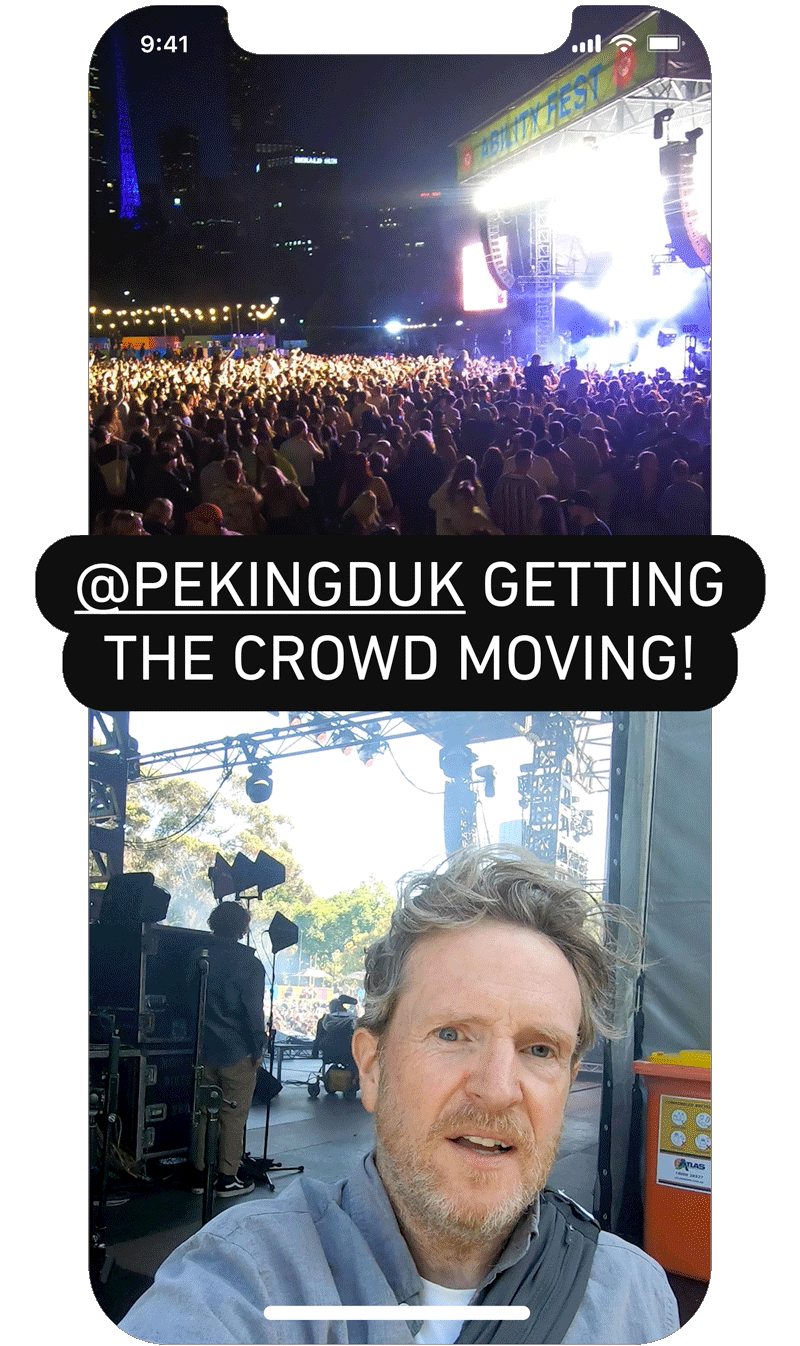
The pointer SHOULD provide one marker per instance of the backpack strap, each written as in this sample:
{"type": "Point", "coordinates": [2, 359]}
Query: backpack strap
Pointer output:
{"type": "Point", "coordinates": [550, 1279]}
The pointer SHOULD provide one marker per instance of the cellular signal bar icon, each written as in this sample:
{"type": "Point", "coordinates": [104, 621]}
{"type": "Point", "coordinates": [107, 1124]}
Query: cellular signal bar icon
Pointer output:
{"type": "Point", "coordinates": [593, 44]}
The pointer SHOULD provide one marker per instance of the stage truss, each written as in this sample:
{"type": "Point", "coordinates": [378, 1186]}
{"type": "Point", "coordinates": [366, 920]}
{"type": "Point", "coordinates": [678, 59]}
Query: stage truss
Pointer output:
{"type": "Point", "coordinates": [563, 746]}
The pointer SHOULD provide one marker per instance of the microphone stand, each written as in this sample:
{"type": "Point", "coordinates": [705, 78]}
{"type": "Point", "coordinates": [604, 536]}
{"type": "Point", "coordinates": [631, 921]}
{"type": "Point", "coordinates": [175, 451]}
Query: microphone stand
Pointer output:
{"type": "Point", "coordinates": [206, 1098]}
{"type": "Point", "coordinates": [260, 1169]}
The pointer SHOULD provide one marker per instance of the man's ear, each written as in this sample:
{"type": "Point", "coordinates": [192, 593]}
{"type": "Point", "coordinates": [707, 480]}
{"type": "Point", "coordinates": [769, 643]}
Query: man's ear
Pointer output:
{"type": "Point", "coordinates": [365, 1054]}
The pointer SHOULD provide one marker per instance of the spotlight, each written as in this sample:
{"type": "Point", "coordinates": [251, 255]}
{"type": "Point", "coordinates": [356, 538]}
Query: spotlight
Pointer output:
{"type": "Point", "coordinates": [259, 783]}
{"type": "Point", "coordinates": [369, 751]}
{"type": "Point", "coordinates": [487, 775]}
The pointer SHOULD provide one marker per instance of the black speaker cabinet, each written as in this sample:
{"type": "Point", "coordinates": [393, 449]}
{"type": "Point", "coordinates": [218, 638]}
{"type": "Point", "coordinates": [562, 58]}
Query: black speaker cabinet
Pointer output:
{"type": "Point", "coordinates": [154, 1102]}
{"type": "Point", "coordinates": [147, 977]}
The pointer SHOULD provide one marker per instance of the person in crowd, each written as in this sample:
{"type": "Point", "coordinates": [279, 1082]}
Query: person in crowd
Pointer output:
{"type": "Point", "coordinates": [206, 521]}
{"type": "Point", "coordinates": [465, 517]}
{"type": "Point", "coordinates": [572, 379]}
{"type": "Point", "coordinates": [358, 477]}
{"type": "Point", "coordinates": [552, 522]}
{"type": "Point", "coordinates": [560, 462]}
{"type": "Point", "coordinates": [157, 518]}
{"type": "Point", "coordinates": [636, 506]}
{"type": "Point", "coordinates": [684, 507]}
{"type": "Point", "coordinates": [480, 1001]}
{"type": "Point", "coordinates": [581, 511]}
{"type": "Point", "coordinates": [285, 507]}
{"type": "Point", "coordinates": [583, 454]}
{"type": "Point", "coordinates": [239, 502]}
{"type": "Point", "coordinates": [363, 516]}
{"type": "Point", "coordinates": [412, 484]}
{"type": "Point", "coordinates": [126, 523]}
{"type": "Point", "coordinates": [537, 375]}
{"type": "Point", "coordinates": [491, 467]}
{"type": "Point", "coordinates": [302, 451]}
{"type": "Point", "coordinates": [515, 499]}
{"type": "Point", "coordinates": [446, 500]}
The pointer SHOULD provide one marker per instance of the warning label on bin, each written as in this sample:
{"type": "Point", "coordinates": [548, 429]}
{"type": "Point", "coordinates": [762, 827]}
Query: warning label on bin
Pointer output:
{"type": "Point", "coordinates": [684, 1143]}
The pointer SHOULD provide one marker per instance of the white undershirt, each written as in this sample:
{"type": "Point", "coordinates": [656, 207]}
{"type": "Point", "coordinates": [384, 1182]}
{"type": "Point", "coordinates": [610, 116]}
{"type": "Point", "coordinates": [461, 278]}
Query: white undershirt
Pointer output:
{"type": "Point", "coordinates": [438, 1332]}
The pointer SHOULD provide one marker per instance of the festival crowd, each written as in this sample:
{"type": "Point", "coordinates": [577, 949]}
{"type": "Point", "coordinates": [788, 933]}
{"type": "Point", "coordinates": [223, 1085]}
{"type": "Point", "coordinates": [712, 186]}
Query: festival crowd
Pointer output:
{"type": "Point", "coordinates": [301, 443]}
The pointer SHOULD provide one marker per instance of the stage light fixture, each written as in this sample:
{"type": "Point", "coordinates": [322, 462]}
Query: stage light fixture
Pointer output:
{"type": "Point", "coordinates": [488, 776]}
{"type": "Point", "coordinates": [221, 875]}
{"type": "Point", "coordinates": [244, 873]}
{"type": "Point", "coordinates": [258, 786]}
{"type": "Point", "coordinates": [369, 751]}
{"type": "Point", "coordinates": [269, 872]}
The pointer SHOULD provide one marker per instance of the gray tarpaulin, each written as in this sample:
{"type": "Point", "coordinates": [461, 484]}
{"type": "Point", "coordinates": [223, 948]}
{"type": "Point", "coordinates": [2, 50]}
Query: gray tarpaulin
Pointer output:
{"type": "Point", "coordinates": [659, 868]}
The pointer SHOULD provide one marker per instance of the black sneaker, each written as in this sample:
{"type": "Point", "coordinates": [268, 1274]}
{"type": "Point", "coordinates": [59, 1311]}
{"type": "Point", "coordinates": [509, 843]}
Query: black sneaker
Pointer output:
{"type": "Point", "coordinates": [233, 1186]}
{"type": "Point", "coordinates": [197, 1180]}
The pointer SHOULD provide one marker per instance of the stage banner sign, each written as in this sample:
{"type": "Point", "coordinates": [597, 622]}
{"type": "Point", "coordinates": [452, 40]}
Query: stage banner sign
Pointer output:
{"type": "Point", "coordinates": [582, 88]}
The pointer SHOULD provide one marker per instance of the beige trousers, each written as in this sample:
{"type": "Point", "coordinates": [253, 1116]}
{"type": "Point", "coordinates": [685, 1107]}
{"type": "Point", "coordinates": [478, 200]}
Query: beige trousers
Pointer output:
{"type": "Point", "coordinates": [237, 1083]}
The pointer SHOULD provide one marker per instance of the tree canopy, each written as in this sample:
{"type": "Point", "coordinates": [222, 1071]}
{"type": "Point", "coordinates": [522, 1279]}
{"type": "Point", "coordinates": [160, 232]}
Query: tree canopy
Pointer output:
{"type": "Point", "coordinates": [174, 830]}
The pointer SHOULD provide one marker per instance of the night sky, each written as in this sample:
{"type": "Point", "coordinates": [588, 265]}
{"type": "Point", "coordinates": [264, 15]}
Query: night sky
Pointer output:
{"type": "Point", "coordinates": [389, 119]}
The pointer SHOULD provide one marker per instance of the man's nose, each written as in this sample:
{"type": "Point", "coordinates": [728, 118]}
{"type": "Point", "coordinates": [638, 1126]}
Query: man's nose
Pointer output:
{"type": "Point", "coordinates": [495, 1079]}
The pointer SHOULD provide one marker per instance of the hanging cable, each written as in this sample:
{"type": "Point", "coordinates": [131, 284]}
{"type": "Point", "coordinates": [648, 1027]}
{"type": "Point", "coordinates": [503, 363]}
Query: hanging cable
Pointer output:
{"type": "Point", "coordinates": [198, 818]}
{"type": "Point", "coordinates": [421, 788]}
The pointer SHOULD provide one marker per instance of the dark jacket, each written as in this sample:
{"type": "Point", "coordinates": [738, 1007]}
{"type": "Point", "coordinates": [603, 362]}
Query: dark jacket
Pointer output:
{"type": "Point", "coordinates": [234, 1025]}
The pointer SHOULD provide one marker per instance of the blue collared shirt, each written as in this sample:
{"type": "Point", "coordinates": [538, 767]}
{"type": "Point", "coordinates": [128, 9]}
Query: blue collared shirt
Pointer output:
{"type": "Point", "coordinates": [341, 1244]}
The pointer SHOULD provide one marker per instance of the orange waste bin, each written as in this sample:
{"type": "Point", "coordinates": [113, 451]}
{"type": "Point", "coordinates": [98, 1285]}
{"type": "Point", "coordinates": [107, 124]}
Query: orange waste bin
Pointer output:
{"type": "Point", "coordinates": [677, 1198]}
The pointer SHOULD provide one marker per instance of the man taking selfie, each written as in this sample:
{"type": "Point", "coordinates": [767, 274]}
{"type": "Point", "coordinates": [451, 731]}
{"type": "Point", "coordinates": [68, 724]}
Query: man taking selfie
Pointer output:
{"type": "Point", "coordinates": [480, 1001]}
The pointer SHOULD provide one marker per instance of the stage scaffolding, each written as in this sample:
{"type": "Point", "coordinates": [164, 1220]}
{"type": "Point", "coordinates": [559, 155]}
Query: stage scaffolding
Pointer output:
{"type": "Point", "coordinates": [538, 269]}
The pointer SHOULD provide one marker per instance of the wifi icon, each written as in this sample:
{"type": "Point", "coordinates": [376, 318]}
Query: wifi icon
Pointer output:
{"type": "Point", "coordinates": [624, 41]}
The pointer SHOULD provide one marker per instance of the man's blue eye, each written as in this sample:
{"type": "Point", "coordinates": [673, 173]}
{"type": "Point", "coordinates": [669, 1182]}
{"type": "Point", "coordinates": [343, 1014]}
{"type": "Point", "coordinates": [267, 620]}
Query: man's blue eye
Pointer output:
{"type": "Point", "coordinates": [542, 1050]}
{"type": "Point", "coordinates": [453, 1034]}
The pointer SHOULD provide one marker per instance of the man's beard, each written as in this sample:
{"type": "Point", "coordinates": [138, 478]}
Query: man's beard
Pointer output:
{"type": "Point", "coordinates": [419, 1192]}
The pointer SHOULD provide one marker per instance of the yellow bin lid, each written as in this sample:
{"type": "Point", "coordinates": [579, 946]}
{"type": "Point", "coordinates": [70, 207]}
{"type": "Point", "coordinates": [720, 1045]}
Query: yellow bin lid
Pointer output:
{"type": "Point", "coordinates": [701, 1060]}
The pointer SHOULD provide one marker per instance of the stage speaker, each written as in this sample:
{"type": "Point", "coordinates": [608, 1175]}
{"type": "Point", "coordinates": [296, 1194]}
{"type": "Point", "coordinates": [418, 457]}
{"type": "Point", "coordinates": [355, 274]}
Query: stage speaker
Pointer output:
{"type": "Point", "coordinates": [132, 900]}
{"type": "Point", "coordinates": [267, 1087]}
{"type": "Point", "coordinates": [676, 162]}
{"type": "Point", "coordinates": [147, 977]}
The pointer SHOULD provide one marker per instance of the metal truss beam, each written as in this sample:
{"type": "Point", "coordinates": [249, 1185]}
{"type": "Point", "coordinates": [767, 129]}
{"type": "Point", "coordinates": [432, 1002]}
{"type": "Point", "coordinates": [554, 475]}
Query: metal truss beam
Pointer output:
{"type": "Point", "coordinates": [690, 101]}
{"type": "Point", "coordinates": [110, 750]}
{"type": "Point", "coordinates": [341, 730]}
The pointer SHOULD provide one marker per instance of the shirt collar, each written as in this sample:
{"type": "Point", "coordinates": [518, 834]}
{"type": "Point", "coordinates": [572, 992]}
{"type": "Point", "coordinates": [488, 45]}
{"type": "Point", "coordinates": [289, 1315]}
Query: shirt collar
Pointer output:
{"type": "Point", "coordinates": [367, 1203]}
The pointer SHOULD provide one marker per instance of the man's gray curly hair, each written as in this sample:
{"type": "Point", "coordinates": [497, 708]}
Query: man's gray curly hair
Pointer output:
{"type": "Point", "coordinates": [505, 883]}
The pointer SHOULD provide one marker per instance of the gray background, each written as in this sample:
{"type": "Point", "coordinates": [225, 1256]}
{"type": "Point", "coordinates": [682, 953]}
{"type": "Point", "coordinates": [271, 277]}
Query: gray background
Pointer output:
{"type": "Point", "coordinates": [46, 59]}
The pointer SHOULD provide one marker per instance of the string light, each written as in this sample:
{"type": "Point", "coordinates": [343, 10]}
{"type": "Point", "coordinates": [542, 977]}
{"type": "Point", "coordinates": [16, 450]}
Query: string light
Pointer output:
{"type": "Point", "coordinates": [214, 316]}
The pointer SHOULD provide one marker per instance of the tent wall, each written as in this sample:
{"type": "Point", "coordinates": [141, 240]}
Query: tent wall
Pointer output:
{"type": "Point", "coordinates": [659, 867]}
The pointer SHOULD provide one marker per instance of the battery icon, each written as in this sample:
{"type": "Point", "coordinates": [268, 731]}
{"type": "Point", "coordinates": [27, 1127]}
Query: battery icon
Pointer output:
{"type": "Point", "coordinates": [663, 42]}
